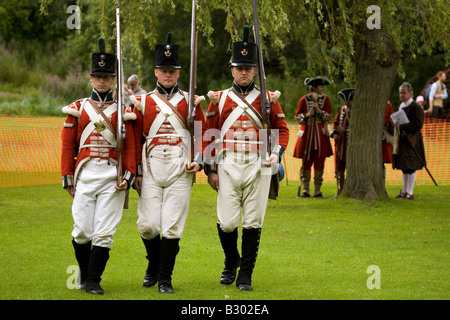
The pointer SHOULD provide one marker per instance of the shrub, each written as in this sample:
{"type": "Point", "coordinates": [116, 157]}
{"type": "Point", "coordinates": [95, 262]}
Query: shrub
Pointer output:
{"type": "Point", "coordinates": [38, 84]}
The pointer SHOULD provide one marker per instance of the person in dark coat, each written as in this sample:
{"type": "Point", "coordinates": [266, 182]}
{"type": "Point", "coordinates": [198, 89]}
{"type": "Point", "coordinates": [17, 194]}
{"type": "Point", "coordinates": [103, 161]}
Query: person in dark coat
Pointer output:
{"type": "Point", "coordinates": [408, 136]}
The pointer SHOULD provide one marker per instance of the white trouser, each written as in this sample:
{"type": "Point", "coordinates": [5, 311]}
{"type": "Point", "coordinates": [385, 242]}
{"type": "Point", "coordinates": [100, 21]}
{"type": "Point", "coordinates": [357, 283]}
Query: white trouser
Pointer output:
{"type": "Point", "coordinates": [243, 184]}
{"type": "Point", "coordinates": [97, 206]}
{"type": "Point", "coordinates": [166, 189]}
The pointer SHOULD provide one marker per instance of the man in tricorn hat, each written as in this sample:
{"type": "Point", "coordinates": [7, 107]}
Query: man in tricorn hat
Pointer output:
{"type": "Point", "coordinates": [235, 167]}
{"type": "Point", "coordinates": [339, 133]}
{"type": "Point", "coordinates": [88, 166]}
{"type": "Point", "coordinates": [313, 144]}
{"type": "Point", "coordinates": [164, 180]}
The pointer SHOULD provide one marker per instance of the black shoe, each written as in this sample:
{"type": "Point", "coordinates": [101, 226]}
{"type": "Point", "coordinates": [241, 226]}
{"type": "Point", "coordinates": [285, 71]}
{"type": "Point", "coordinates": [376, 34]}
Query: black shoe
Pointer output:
{"type": "Point", "coordinates": [305, 195]}
{"type": "Point", "coordinates": [228, 276]}
{"type": "Point", "coordinates": [401, 195]}
{"type": "Point", "coordinates": [94, 288]}
{"type": "Point", "coordinates": [149, 281]}
{"type": "Point", "coordinates": [320, 195]}
{"type": "Point", "coordinates": [165, 287]}
{"type": "Point", "coordinates": [244, 287]}
{"type": "Point", "coordinates": [82, 286]}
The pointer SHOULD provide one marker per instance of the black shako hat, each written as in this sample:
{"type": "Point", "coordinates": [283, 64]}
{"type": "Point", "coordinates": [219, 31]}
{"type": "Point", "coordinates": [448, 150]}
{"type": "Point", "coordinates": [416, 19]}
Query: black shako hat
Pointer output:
{"type": "Point", "coordinates": [166, 55]}
{"type": "Point", "coordinates": [347, 94]}
{"type": "Point", "coordinates": [102, 62]}
{"type": "Point", "coordinates": [244, 52]}
{"type": "Point", "coordinates": [317, 81]}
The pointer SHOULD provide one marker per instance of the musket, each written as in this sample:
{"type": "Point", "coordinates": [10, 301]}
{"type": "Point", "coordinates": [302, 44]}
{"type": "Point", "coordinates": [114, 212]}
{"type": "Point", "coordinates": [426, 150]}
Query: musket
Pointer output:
{"type": "Point", "coordinates": [265, 105]}
{"type": "Point", "coordinates": [120, 125]}
{"type": "Point", "coordinates": [192, 83]}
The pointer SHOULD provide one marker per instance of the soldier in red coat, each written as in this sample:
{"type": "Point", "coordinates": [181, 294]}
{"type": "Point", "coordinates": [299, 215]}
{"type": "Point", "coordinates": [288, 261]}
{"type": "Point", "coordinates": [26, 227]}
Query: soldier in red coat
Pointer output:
{"type": "Point", "coordinates": [388, 132]}
{"type": "Point", "coordinates": [236, 164]}
{"type": "Point", "coordinates": [163, 180]}
{"type": "Point", "coordinates": [313, 144]}
{"type": "Point", "coordinates": [89, 170]}
{"type": "Point", "coordinates": [387, 137]}
{"type": "Point", "coordinates": [339, 133]}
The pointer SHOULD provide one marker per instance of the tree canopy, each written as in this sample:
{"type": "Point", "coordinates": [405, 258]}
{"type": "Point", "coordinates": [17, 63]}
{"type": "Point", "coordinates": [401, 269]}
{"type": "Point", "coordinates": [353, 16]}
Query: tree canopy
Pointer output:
{"type": "Point", "coordinates": [300, 38]}
{"type": "Point", "coordinates": [326, 29]}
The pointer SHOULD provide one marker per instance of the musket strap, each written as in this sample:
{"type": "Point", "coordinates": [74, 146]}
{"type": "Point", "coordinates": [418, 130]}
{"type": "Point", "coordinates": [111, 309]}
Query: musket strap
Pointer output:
{"type": "Point", "coordinates": [253, 111]}
{"type": "Point", "coordinates": [244, 105]}
{"type": "Point", "coordinates": [175, 110]}
{"type": "Point", "coordinates": [167, 112]}
{"type": "Point", "coordinates": [99, 111]}
{"type": "Point", "coordinates": [237, 112]}
{"type": "Point", "coordinates": [107, 134]}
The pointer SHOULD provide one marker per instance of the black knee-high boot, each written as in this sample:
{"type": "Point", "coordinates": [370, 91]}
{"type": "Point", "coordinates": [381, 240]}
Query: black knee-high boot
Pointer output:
{"type": "Point", "coordinates": [228, 241]}
{"type": "Point", "coordinates": [152, 247]}
{"type": "Point", "coordinates": [97, 264]}
{"type": "Point", "coordinates": [82, 254]}
{"type": "Point", "coordinates": [250, 246]}
{"type": "Point", "coordinates": [169, 250]}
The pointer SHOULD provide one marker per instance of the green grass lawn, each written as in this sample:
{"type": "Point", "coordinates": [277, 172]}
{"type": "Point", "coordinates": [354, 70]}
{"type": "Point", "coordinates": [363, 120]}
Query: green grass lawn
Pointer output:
{"type": "Point", "coordinates": [311, 249]}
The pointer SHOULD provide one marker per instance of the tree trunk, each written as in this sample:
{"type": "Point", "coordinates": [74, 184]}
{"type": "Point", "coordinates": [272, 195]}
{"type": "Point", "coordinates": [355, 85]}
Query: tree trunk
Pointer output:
{"type": "Point", "coordinates": [376, 62]}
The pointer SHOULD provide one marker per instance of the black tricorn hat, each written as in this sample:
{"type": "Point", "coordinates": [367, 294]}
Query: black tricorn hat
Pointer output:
{"type": "Point", "coordinates": [244, 52]}
{"type": "Point", "coordinates": [347, 94]}
{"type": "Point", "coordinates": [102, 62]}
{"type": "Point", "coordinates": [166, 55]}
{"type": "Point", "coordinates": [317, 81]}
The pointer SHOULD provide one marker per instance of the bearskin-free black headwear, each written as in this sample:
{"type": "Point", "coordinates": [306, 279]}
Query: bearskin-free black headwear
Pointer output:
{"type": "Point", "coordinates": [102, 62]}
{"type": "Point", "coordinates": [244, 52]}
{"type": "Point", "coordinates": [347, 94]}
{"type": "Point", "coordinates": [166, 55]}
{"type": "Point", "coordinates": [317, 81]}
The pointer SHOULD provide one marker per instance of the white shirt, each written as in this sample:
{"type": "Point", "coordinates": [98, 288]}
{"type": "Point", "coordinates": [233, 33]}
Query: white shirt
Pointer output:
{"type": "Point", "coordinates": [434, 88]}
{"type": "Point", "coordinates": [405, 104]}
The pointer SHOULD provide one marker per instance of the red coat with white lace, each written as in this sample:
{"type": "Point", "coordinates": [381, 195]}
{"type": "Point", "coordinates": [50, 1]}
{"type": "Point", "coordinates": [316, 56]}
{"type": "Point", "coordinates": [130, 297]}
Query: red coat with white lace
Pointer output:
{"type": "Point", "coordinates": [74, 155]}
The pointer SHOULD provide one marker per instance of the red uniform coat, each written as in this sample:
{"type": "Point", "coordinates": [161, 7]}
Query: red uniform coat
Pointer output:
{"type": "Point", "coordinates": [144, 122]}
{"type": "Point", "coordinates": [314, 137]}
{"type": "Point", "coordinates": [215, 120]}
{"type": "Point", "coordinates": [340, 145]}
{"type": "Point", "coordinates": [386, 147]}
{"type": "Point", "coordinates": [72, 158]}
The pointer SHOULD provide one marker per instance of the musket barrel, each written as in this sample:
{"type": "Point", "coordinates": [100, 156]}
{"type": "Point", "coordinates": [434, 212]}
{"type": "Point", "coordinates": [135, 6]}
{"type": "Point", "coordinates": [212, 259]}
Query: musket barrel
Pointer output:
{"type": "Point", "coordinates": [192, 81]}
{"type": "Point", "coordinates": [120, 127]}
{"type": "Point", "coordinates": [265, 105]}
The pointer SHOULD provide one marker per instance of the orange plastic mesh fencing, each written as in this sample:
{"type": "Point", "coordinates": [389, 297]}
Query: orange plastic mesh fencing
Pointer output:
{"type": "Point", "coordinates": [436, 134]}
{"type": "Point", "coordinates": [30, 149]}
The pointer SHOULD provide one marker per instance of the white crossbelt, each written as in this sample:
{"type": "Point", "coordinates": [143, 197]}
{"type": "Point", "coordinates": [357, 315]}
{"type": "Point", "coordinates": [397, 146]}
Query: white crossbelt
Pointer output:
{"type": "Point", "coordinates": [94, 117]}
{"type": "Point", "coordinates": [166, 112]}
{"type": "Point", "coordinates": [237, 112]}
